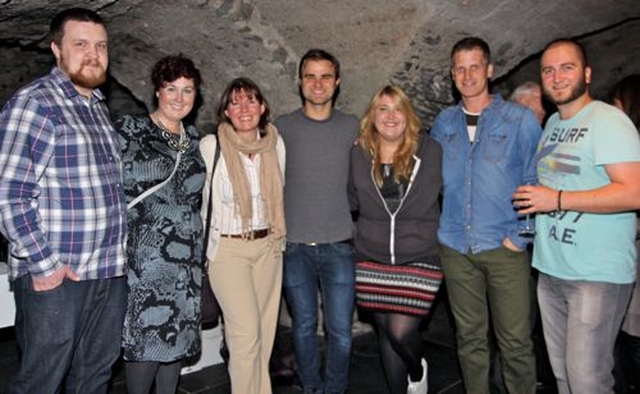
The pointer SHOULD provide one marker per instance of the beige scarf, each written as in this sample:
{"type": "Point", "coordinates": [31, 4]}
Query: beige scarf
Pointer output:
{"type": "Point", "coordinates": [271, 183]}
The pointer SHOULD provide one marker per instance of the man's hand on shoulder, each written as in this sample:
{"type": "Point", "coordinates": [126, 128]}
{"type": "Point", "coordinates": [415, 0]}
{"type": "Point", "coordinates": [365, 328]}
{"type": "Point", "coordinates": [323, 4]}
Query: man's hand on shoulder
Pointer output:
{"type": "Point", "coordinates": [52, 281]}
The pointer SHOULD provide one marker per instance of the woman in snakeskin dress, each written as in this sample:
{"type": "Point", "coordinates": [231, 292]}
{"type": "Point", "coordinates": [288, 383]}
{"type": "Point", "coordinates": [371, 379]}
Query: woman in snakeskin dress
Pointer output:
{"type": "Point", "coordinates": [162, 324]}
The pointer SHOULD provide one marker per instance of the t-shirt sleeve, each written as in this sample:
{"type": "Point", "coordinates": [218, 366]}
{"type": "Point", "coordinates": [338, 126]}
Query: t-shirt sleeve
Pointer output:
{"type": "Point", "coordinates": [616, 140]}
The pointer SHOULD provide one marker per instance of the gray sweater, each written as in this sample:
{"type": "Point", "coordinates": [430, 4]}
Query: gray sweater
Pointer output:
{"type": "Point", "coordinates": [315, 200]}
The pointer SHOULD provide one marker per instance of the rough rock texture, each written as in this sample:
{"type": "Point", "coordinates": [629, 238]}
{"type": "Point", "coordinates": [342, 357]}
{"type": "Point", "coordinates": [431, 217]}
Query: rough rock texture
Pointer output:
{"type": "Point", "coordinates": [377, 41]}
{"type": "Point", "coordinates": [613, 53]}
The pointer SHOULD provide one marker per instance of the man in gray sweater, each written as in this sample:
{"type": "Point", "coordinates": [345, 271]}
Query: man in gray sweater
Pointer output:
{"type": "Point", "coordinates": [319, 250]}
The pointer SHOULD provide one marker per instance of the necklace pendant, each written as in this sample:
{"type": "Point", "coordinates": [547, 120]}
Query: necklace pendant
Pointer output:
{"type": "Point", "coordinates": [180, 144]}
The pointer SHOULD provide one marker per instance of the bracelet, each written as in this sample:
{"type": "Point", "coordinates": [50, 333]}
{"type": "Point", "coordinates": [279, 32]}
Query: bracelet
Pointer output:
{"type": "Point", "coordinates": [559, 200]}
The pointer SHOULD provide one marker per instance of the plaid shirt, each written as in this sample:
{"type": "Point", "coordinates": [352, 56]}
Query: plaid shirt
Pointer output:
{"type": "Point", "coordinates": [61, 193]}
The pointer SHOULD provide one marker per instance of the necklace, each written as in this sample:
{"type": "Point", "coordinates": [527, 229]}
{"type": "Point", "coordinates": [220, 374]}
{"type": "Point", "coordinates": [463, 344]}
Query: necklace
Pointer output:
{"type": "Point", "coordinates": [180, 144]}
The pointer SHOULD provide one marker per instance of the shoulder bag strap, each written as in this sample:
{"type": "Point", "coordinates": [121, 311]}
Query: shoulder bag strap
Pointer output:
{"type": "Point", "coordinates": [207, 222]}
{"type": "Point", "coordinates": [154, 188]}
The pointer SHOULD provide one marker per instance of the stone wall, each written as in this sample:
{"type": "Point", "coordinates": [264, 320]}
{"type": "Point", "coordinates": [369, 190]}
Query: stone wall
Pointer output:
{"type": "Point", "coordinates": [377, 41]}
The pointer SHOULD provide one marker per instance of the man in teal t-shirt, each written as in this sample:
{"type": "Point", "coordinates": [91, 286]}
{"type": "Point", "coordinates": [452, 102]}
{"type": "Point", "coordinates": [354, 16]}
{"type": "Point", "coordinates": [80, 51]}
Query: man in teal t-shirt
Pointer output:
{"type": "Point", "coordinates": [575, 152]}
{"type": "Point", "coordinates": [589, 174]}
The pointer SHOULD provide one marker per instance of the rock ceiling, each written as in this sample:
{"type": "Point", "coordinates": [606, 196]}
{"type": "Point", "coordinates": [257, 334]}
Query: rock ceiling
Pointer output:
{"type": "Point", "coordinates": [406, 42]}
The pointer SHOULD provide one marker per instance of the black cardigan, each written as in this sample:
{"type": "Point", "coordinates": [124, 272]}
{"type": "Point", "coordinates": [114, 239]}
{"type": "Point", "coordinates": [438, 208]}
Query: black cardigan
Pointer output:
{"type": "Point", "coordinates": [416, 221]}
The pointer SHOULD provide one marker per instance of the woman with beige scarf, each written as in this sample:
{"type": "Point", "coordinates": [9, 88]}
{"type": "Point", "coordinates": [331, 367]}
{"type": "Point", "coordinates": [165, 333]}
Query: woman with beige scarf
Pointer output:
{"type": "Point", "coordinates": [247, 230]}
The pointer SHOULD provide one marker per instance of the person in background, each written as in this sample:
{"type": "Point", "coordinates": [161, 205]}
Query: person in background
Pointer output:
{"type": "Point", "coordinates": [398, 268]}
{"type": "Point", "coordinates": [63, 212]}
{"type": "Point", "coordinates": [162, 324]}
{"type": "Point", "coordinates": [319, 252]}
{"type": "Point", "coordinates": [488, 150]}
{"type": "Point", "coordinates": [585, 225]}
{"type": "Point", "coordinates": [529, 95]}
{"type": "Point", "coordinates": [247, 230]}
{"type": "Point", "coordinates": [626, 97]}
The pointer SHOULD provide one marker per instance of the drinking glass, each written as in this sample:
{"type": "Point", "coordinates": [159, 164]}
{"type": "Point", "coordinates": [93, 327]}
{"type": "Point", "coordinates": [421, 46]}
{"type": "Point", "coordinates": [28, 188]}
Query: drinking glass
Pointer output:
{"type": "Point", "coordinates": [529, 229]}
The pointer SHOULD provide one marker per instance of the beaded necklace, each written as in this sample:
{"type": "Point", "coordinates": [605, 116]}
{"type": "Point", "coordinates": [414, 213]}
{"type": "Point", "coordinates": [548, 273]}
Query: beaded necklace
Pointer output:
{"type": "Point", "coordinates": [180, 144]}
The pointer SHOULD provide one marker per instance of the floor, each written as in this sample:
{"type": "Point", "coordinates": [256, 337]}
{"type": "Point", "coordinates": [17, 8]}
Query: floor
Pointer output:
{"type": "Point", "coordinates": [366, 375]}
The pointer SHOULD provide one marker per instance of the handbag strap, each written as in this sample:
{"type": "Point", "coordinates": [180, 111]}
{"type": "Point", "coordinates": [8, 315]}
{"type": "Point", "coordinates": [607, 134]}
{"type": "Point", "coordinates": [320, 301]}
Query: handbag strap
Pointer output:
{"type": "Point", "coordinates": [207, 221]}
{"type": "Point", "coordinates": [154, 188]}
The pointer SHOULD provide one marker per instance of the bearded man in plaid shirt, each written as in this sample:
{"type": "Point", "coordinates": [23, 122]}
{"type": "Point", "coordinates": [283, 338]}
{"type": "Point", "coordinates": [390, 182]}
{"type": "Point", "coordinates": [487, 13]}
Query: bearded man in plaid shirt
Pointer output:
{"type": "Point", "coordinates": [63, 211]}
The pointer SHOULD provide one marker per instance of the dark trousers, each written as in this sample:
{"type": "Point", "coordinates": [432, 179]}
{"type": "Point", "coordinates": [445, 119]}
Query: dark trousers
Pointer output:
{"type": "Point", "coordinates": [496, 281]}
{"type": "Point", "coordinates": [627, 364]}
{"type": "Point", "coordinates": [69, 336]}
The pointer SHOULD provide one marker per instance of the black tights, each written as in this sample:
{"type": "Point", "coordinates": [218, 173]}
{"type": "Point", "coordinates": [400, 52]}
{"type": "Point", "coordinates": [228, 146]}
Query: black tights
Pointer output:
{"type": "Point", "coordinates": [400, 349]}
{"type": "Point", "coordinates": [141, 375]}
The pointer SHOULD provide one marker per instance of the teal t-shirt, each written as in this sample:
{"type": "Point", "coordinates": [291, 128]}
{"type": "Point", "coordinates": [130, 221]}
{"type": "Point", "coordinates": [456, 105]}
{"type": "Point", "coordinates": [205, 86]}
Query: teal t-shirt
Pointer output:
{"type": "Point", "coordinates": [572, 156]}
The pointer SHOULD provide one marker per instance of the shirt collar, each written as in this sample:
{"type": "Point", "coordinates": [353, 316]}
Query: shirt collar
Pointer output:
{"type": "Point", "coordinates": [62, 80]}
{"type": "Point", "coordinates": [496, 100]}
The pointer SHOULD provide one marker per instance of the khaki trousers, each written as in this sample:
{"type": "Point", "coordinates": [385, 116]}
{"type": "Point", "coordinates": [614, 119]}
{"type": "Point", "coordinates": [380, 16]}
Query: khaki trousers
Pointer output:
{"type": "Point", "coordinates": [246, 277]}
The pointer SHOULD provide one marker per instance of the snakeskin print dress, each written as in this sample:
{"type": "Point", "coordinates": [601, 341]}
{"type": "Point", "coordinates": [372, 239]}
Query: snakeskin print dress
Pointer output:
{"type": "Point", "coordinates": [164, 245]}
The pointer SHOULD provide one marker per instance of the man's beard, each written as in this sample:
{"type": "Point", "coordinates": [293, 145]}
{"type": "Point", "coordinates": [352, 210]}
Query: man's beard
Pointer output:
{"type": "Point", "coordinates": [84, 78]}
{"type": "Point", "coordinates": [87, 80]}
{"type": "Point", "coordinates": [578, 90]}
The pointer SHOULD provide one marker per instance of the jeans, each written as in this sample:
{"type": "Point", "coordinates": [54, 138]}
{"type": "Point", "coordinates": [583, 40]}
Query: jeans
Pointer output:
{"type": "Point", "coordinates": [581, 320]}
{"type": "Point", "coordinates": [69, 336]}
{"type": "Point", "coordinates": [495, 285]}
{"type": "Point", "coordinates": [331, 266]}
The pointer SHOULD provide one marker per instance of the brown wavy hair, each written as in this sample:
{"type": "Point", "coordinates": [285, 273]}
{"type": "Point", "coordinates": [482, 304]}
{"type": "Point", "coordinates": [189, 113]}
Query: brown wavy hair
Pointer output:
{"type": "Point", "coordinates": [369, 139]}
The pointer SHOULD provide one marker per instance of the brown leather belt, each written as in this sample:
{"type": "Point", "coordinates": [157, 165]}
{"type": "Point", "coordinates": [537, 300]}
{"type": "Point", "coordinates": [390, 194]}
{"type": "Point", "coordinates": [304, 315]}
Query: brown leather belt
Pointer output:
{"type": "Point", "coordinates": [255, 234]}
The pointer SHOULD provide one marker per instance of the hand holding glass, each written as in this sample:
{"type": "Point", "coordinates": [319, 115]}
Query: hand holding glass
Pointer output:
{"type": "Point", "coordinates": [529, 229]}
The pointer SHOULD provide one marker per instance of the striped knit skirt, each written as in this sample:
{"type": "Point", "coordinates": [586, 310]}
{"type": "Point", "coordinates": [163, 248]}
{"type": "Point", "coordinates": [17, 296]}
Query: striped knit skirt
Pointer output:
{"type": "Point", "coordinates": [408, 289]}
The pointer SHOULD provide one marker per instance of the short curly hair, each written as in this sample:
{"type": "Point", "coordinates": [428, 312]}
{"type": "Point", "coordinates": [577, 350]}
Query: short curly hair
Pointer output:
{"type": "Point", "coordinates": [172, 67]}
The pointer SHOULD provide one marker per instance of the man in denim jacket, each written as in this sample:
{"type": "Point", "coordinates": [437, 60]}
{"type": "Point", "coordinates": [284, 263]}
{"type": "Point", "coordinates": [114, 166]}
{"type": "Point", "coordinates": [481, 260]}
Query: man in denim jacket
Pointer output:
{"type": "Point", "coordinates": [489, 147]}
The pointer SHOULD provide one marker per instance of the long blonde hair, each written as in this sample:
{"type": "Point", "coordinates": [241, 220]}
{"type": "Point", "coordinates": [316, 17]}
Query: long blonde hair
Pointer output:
{"type": "Point", "coordinates": [369, 138]}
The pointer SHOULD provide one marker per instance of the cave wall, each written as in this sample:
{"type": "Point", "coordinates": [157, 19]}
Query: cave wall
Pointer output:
{"type": "Point", "coordinates": [613, 54]}
{"type": "Point", "coordinates": [404, 42]}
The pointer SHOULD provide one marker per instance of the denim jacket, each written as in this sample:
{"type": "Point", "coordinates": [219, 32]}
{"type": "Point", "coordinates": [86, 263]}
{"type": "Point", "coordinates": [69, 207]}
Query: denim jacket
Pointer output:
{"type": "Point", "coordinates": [479, 178]}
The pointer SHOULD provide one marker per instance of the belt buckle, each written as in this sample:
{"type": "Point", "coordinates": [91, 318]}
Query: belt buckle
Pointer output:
{"type": "Point", "coordinates": [312, 244]}
{"type": "Point", "coordinates": [259, 234]}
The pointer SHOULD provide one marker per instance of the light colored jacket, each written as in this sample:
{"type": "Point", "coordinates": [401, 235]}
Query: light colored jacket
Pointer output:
{"type": "Point", "coordinates": [221, 175]}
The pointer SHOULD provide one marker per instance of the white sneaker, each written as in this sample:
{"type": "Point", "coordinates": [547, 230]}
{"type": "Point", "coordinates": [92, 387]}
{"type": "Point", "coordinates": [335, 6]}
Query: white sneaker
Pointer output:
{"type": "Point", "coordinates": [420, 387]}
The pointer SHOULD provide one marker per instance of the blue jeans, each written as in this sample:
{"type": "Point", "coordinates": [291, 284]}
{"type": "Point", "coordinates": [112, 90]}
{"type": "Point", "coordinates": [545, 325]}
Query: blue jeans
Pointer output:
{"type": "Point", "coordinates": [69, 336]}
{"type": "Point", "coordinates": [580, 321]}
{"type": "Point", "coordinates": [331, 266]}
